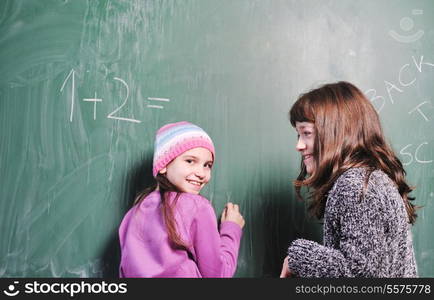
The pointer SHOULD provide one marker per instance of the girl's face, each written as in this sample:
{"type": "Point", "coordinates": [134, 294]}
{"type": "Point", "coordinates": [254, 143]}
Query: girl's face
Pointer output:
{"type": "Point", "coordinates": [306, 138]}
{"type": "Point", "coordinates": [191, 170]}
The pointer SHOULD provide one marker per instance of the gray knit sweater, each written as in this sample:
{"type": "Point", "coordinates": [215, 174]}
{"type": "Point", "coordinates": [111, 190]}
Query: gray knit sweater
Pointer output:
{"type": "Point", "coordinates": [363, 236]}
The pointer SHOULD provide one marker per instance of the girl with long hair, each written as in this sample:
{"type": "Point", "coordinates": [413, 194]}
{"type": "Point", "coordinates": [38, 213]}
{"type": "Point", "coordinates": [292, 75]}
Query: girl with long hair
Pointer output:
{"type": "Point", "coordinates": [357, 185]}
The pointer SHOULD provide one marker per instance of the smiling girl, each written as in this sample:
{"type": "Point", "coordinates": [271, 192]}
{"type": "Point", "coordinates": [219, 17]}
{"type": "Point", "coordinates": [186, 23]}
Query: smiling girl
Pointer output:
{"type": "Point", "coordinates": [357, 185]}
{"type": "Point", "coordinates": [172, 231]}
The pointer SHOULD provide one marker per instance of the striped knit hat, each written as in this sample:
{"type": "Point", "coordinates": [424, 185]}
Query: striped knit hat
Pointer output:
{"type": "Point", "coordinates": [174, 139]}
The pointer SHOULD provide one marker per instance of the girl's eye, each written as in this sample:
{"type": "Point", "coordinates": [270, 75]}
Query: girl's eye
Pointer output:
{"type": "Point", "coordinates": [208, 166]}
{"type": "Point", "coordinates": [189, 161]}
{"type": "Point", "coordinates": [307, 133]}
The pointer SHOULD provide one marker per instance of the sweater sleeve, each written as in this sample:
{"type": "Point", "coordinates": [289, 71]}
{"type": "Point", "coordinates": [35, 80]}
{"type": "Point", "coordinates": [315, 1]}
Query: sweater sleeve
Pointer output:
{"type": "Point", "coordinates": [310, 259]}
{"type": "Point", "coordinates": [357, 250]}
{"type": "Point", "coordinates": [216, 252]}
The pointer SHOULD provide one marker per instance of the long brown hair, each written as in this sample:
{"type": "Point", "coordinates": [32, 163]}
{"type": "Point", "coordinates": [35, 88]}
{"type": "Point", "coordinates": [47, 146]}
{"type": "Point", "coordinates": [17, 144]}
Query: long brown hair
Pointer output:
{"type": "Point", "coordinates": [167, 208]}
{"type": "Point", "coordinates": [348, 134]}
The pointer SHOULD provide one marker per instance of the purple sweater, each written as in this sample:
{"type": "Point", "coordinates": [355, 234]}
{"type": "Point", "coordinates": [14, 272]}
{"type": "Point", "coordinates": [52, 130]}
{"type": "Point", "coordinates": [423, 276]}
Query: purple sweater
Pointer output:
{"type": "Point", "coordinates": [145, 250]}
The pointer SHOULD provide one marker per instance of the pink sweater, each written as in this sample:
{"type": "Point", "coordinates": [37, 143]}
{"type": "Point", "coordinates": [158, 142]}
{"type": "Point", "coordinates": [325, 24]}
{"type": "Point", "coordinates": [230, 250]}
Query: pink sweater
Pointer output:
{"type": "Point", "coordinates": [145, 251]}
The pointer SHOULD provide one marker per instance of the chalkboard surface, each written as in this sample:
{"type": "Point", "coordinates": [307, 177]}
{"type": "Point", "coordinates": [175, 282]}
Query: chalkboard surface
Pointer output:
{"type": "Point", "coordinates": [84, 85]}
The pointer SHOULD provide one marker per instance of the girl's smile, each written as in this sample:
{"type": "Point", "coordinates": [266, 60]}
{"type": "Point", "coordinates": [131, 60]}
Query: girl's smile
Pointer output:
{"type": "Point", "coordinates": [197, 185]}
{"type": "Point", "coordinates": [305, 144]}
{"type": "Point", "coordinates": [307, 158]}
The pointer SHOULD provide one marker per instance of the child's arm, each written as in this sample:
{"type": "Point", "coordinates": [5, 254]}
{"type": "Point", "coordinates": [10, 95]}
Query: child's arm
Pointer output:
{"type": "Point", "coordinates": [216, 253]}
{"type": "Point", "coordinates": [359, 227]}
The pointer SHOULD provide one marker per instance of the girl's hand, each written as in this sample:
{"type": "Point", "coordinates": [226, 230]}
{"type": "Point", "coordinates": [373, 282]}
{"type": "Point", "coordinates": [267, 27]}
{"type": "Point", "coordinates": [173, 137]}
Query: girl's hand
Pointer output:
{"type": "Point", "coordinates": [231, 212]}
{"type": "Point", "coordinates": [285, 269]}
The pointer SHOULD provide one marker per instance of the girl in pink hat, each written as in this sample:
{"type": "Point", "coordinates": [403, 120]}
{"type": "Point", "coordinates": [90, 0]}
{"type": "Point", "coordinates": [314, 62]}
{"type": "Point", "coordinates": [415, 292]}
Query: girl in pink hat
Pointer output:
{"type": "Point", "coordinates": [172, 231]}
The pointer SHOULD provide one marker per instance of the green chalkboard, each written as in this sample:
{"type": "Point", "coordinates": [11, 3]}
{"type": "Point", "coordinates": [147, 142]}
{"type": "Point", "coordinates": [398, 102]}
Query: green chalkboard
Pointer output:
{"type": "Point", "coordinates": [84, 85]}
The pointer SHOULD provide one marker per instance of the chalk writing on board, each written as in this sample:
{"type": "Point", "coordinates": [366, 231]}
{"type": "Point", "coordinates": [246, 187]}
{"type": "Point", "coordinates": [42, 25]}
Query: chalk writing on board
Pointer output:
{"type": "Point", "coordinates": [72, 73]}
{"type": "Point", "coordinates": [404, 81]}
{"type": "Point", "coordinates": [407, 24]}
{"type": "Point", "coordinates": [157, 99]}
{"type": "Point", "coordinates": [111, 115]}
{"type": "Point", "coordinates": [95, 100]}
{"type": "Point", "coordinates": [420, 111]}
{"type": "Point", "coordinates": [115, 114]}
{"type": "Point", "coordinates": [379, 100]}
{"type": "Point", "coordinates": [415, 156]}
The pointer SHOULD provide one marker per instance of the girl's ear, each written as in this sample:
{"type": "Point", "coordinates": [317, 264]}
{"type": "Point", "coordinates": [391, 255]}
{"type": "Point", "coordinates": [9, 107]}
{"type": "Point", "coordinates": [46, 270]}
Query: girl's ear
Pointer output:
{"type": "Point", "coordinates": [163, 171]}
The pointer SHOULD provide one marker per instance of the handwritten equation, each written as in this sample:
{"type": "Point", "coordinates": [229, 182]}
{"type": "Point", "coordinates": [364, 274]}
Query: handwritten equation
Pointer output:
{"type": "Point", "coordinates": [115, 114]}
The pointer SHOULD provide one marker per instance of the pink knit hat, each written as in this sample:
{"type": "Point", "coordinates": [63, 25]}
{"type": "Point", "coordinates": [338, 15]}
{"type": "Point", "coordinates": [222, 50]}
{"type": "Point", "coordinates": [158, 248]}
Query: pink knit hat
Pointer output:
{"type": "Point", "coordinates": [174, 139]}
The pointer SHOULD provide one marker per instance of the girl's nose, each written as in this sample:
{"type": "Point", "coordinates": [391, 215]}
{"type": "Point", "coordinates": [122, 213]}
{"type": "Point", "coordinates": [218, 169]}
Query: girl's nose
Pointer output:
{"type": "Point", "coordinates": [199, 172]}
{"type": "Point", "coordinates": [300, 145]}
